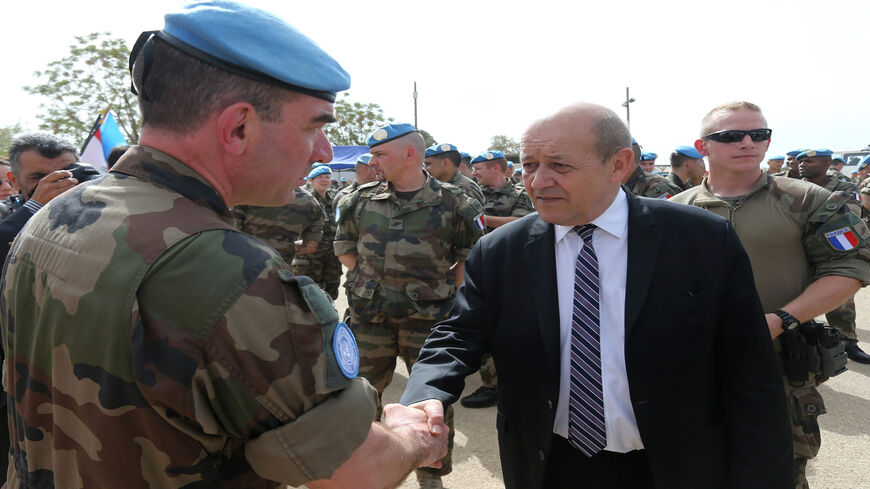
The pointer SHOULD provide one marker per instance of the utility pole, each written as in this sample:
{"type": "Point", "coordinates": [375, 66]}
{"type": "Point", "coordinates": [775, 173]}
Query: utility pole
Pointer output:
{"type": "Point", "coordinates": [626, 104]}
{"type": "Point", "coordinates": [415, 105]}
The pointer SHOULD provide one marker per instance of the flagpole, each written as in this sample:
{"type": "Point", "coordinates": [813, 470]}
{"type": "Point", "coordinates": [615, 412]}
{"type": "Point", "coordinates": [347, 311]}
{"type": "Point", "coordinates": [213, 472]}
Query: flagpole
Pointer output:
{"type": "Point", "coordinates": [94, 129]}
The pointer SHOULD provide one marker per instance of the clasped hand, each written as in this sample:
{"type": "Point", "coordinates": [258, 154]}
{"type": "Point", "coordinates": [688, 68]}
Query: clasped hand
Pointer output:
{"type": "Point", "coordinates": [421, 424]}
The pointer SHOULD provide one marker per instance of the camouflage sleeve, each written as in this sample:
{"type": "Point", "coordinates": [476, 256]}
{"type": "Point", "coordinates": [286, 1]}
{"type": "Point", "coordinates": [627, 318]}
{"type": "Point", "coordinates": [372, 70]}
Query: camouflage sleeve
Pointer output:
{"type": "Point", "coordinates": [837, 241]}
{"type": "Point", "coordinates": [314, 231]}
{"type": "Point", "coordinates": [523, 206]}
{"type": "Point", "coordinates": [660, 188]}
{"type": "Point", "coordinates": [240, 213]}
{"type": "Point", "coordinates": [248, 355]}
{"type": "Point", "coordinates": [347, 233]}
{"type": "Point", "coordinates": [467, 229]}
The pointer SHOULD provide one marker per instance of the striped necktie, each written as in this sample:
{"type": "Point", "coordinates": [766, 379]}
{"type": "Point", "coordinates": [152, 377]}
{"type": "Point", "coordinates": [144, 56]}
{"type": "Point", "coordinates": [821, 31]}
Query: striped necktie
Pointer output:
{"type": "Point", "coordinates": [586, 404]}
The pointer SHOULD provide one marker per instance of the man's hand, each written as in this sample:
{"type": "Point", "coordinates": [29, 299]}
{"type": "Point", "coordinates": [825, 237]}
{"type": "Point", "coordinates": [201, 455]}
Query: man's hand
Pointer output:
{"type": "Point", "coordinates": [422, 425]}
{"type": "Point", "coordinates": [52, 185]}
{"type": "Point", "coordinates": [774, 324]}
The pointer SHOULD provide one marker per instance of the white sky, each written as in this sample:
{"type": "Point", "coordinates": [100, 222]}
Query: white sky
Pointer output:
{"type": "Point", "coordinates": [484, 67]}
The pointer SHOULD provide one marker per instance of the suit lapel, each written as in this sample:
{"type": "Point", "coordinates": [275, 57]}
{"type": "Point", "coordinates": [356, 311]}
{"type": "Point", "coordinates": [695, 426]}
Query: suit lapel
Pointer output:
{"type": "Point", "coordinates": [644, 241]}
{"type": "Point", "coordinates": [541, 257]}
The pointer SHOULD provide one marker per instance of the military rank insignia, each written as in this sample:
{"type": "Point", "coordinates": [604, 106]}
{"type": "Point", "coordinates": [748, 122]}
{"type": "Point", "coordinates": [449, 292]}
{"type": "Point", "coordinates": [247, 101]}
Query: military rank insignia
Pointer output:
{"type": "Point", "coordinates": [842, 239]}
{"type": "Point", "coordinates": [345, 350]}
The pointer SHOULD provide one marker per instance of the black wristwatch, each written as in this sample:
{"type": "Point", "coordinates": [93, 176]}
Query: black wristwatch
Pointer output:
{"type": "Point", "coordinates": [789, 322]}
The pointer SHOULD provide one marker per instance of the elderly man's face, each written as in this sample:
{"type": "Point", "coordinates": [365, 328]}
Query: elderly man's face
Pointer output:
{"type": "Point", "coordinates": [563, 173]}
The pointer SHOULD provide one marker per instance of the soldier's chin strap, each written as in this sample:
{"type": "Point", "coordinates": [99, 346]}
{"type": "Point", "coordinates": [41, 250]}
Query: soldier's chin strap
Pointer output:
{"type": "Point", "coordinates": [145, 43]}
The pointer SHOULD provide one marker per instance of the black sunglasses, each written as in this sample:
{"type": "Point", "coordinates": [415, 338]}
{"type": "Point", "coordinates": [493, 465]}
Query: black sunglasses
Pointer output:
{"type": "Point", "coordinates": [736, 135]}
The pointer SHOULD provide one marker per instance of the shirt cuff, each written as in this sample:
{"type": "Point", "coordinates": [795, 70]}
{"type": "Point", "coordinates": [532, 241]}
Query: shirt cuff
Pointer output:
{"type": "Point", "coordinates": [318, 442]}
{"type": "Point", "coordinates": [32, 205]}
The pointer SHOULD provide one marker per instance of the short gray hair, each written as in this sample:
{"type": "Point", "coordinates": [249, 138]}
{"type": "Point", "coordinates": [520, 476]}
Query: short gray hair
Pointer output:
{"type": "Point", "coordinates": [46, 144]}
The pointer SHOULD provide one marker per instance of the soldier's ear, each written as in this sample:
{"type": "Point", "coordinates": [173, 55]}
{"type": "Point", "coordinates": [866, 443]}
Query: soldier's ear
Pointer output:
{"type": "Point", "coordinates": [238, 127]}
{"type": "Point", "coordinates": [701, 146]}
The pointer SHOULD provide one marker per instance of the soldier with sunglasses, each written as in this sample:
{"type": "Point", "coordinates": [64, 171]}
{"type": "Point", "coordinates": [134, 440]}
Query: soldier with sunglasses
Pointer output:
{"type": "Point", "coordinates": [809, 252]}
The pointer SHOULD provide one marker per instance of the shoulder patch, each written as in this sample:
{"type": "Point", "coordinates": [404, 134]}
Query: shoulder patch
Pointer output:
{"type": "Point", "coordinates": [345, 350]}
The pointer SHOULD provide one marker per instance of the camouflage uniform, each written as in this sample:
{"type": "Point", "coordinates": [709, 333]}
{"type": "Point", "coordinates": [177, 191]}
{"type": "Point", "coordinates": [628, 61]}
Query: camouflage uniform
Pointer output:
{"type": "Point", "coordinates": [280, 227]}
{"type": "Point", "coordinates": [650, 185]}
{"type": "Point", "coordinates": [507, 200]}
{"type": "Point", "coordinates": [403, 283]}
{"type": "Point", "coordinates": [838, 175]}
{"type": "Point", "coordinates": [469, 186]}
{"type": "Point", "coordinates": [843, 317]}
{"type": "Point", "coordinates": [782, 223]}
{"type": "Point", "coordinates": [342, 193]}
{"type": "Point", "coordinates": [322, 266]}
{"type": "Point", "coordinates": [149, 344]}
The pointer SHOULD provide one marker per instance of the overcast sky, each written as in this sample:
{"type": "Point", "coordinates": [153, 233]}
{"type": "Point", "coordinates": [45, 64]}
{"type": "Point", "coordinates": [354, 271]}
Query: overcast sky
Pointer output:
{"type": "Point", "coordinates": [484, 68]}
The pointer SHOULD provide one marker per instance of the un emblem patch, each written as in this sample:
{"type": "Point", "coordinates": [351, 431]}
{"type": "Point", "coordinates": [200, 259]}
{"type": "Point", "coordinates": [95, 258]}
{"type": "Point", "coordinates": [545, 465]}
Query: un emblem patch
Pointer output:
{"type": "Point", "coordinates": [345, 350]}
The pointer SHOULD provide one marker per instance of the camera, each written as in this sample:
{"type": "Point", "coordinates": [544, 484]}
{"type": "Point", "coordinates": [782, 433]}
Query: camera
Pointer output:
{"type": "Point", "coordinates": [83, 172]}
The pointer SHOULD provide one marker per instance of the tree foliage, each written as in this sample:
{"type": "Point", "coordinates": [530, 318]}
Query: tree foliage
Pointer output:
{"type": "Point", "coordinates": [92, 77]}
{"type": "Point", "coordinates": [355, 120]}
{"type": "Point", "coordinates": [7, 134]}
{"type": "Point", "coordinates": [504, 144]}
{"type": "Point", "coordinates": [427, 138]}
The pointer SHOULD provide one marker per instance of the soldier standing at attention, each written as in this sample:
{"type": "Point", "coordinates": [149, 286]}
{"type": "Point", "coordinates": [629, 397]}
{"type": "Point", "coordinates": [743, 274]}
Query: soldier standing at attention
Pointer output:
{"type": "Point", "coordinates": [147, 342]}
{"type": "Point", "coordinates": [279, 227]}
{"type": "Point", "coordinates": [645, 184]}
{"type": "Point", "coordinates": [322, 266]}
{"type": "Point", "coordinates": [504, 201]}
{"type": "Point", "coordinates": [813, 166]}
{"type": "Point", "coordinates": [808, 251]}
{"type": "Point", "coordinates": [442, 162]}
{"type": "Point", "coordinates": [404, 242]}
{"type": "Point", "coordinates": [363, 174]}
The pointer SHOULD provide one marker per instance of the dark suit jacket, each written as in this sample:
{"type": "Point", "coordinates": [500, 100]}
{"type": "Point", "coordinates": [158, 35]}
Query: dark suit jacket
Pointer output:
{"type": "Point", "coordinates": [705, 385]}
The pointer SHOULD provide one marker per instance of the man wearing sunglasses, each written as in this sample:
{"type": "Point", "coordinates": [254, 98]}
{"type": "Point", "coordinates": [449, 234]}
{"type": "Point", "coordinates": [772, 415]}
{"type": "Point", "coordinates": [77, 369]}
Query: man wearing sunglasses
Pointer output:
{"type": "Point", "coordinates": [802, 240]}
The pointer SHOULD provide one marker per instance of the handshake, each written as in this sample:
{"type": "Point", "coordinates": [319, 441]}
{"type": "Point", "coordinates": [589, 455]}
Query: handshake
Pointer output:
{"type": "Point", "coordinates": [420, 427]}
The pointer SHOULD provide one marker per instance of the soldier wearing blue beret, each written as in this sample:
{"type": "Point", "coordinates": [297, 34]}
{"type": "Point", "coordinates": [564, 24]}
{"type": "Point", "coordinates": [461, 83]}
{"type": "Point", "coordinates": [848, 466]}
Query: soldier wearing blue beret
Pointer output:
{"type": "Point", "coordinates": [442, 162]}
{"type": "Point", "coordinates": [774, 165]}
{"type": "Point", "coordinates": [687, 167]}
{"type": "Point", "coordinates": [175, 350]}
{"type": "Point", "coordinates": [792, 164]}
{"type": "Point", "coordinates": [836, 169]}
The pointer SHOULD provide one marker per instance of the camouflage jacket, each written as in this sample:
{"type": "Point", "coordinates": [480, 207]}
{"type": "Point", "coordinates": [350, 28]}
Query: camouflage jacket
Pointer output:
{"type": "Point", "coordinates": [837, 174]}
{"type": "Point", "coordinates": [280, 227]}
{"type": "Point", "coordinates": [836, 185]}
{"type": "Point", "coordinates": [329, 226]}
{"type": "Point", "coordinates": [343, 192]}
{"type": "Point", "coordinates": [405, 249]}
{"type": "Point", "coordinates": [794, 232]}
{"type": "Point", "coordinates": [509, 200]}
{"type": "Point", "coordinates": [650, 185]}
{"type": "Point", "coordinates": [471, 188]}
{"type": "Point", "coordinates": [678, 182]}
{"type": "Point", "coordinates": [150, 345]}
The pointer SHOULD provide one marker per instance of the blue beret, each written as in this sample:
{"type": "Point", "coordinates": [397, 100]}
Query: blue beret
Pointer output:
{"type": "Point", "coordinates": [364, 159]}
{"type": "Point", "coordinates": [510, 164]}
{"type": "Point", "coordinates": [814, 152]}
{"type": "Point", "coordinates": [319, 170]}
{"type": "Point", "coordinates": [389, 132]}
{"type": "Point", "coordinates": [776, 158]}
{"type": "Point", "coordinates": [648, 156]}
{"type": "Point", "coordinates": [343, 179]}
{"type": "Point", "coordinates": [487, 156]}
{"type": "Point", "coordinates": [795, 152]}
{"type": "Point", "coordinates": [839, 158]}
{"type": "Point", "coordinates": [319, 163]}
{"type": "Point", "coordinates": [464, 155]}
{"type": "Point", "coordinates": [864, 163]}
{"type": "Point", "coordinates": [251, 43]}
{"type": "Point", "coordinates": [689, 151]}
{"type": "Point", "coordinates": [633, 141]}
{"type": "Point", "coordinates": [439, 149]}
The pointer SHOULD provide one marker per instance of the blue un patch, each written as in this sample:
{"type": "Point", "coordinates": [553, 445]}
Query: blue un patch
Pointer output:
{"type": "Point", "coordinates": [345, 350]}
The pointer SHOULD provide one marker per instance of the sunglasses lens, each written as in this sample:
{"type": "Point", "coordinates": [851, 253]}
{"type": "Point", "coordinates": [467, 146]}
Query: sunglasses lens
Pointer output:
{"type": "Point", "coordinates": [736, 135]}
{"type": "Point", "coordinates": [759, 134]}
{"type": "Point", "coordinates": [730, 136]}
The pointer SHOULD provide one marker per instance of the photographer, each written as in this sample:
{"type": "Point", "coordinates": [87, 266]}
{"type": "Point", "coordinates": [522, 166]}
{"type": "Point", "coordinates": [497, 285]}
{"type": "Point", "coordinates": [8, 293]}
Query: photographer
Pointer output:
{"type": "Point", "coordinates": [39, 172]}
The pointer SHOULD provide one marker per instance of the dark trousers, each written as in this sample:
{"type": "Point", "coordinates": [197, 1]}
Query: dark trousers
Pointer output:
{"type": "Point", "coordinates": [568, 468]}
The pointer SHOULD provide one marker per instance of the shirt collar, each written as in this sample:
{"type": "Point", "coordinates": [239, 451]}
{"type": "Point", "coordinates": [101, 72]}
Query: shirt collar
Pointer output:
{"type": "Point", "coordinates": [613, 221]}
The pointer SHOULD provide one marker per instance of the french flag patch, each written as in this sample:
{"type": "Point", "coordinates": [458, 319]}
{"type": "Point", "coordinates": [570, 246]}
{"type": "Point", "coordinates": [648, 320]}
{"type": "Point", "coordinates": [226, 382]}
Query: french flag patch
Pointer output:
{"type": "Point", "coordinates": [480, 222]}
{"type": "Point", "coordinates": [842, 239]}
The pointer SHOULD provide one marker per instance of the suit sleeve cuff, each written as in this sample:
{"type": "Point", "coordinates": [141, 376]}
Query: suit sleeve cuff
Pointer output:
{"type": "Point", "coordinates": [318, 442]}
{"type": "Point", "coordinates": [32, 205]}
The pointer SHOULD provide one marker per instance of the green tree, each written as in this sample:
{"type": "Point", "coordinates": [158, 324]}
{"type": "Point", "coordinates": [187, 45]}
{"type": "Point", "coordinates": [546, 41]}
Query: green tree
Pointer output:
{"type": "Point", "coordinates": [355, 120]}
{"type": "Point", "coordinates": [92, 77]}
{"type": "Point", "coordinates": [7, 134]}
{"type": "Point", "coordinates": [427, 138]}
{"type": "Point", "coordinates": [504, 144]}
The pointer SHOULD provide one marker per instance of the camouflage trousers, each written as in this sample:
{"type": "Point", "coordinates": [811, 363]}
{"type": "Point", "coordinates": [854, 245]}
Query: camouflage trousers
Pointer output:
{"type": "Point", "coordinates": [805, 404]}
{"type": "Point", "coordinates": [379, 346]}
{"type": "Point", "coordinates": [488, 375]}
{"type": "Point", "coordinates": [322, 267]}
{"type": "Point", "coordinates": [843, 318]}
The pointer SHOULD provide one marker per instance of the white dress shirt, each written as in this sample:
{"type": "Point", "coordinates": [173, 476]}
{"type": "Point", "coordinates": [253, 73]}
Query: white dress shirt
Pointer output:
{"type": "Point", "coordinates": [610, 241]}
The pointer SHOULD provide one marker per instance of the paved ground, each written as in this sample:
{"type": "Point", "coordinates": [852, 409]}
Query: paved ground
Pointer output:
{"type": "Point", "coordinates": [843, 463]}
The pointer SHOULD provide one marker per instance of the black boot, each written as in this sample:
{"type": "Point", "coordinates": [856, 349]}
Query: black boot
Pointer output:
{"type": "Point", "coordinates": [855, 353]}
{"type": "Point", "coordinates": [481, 398]}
